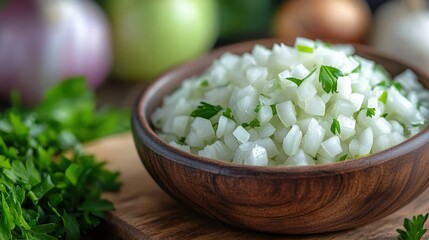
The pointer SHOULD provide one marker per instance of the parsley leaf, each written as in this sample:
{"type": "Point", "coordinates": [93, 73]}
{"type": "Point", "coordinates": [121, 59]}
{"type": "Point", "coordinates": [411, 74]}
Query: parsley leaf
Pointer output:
{"type": "Point", "coordinates": [257, 108]}
{"type": "Point", "coordinates": [384, 115]}
{"type": "Point", "coordinates": [70, 106]}
{"type": "Point", "coordinates": [328, 77]}
{"type": "Point", "coordinates": [182, 140]}
{"type": "Point", "coordinates": [205, 83]}
{"type": "Point", "coordinates": [205, 110]}
{"type": "Point", "coordinates": [228, 114]}
{"type": "Point", "coordinates": [414, 228]}
{"type": "Point", "coordinates": [390, 83]}
{"type": "Point", "coordinates": [273, 109]}
{"type": "Point", "coordinates": [398, 86]}
{"type": "Point", "coordinates": [253, 124]}
{"type": "Point", "coordinates": [335, 126]}
{"type": "Point", "coordinates": [342, 158]}
{"type": "Point", "coordinates": [382, 84]}
{"type": "Point", "coordinates": [370, 112]}
{"type": "Point", "coordinates": [46, 194]}
{"type": "Point", "coordinates": [298, 81]}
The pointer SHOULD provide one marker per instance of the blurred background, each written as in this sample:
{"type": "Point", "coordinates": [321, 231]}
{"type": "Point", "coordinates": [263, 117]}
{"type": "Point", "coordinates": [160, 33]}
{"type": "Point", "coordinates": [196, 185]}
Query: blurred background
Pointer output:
{"type": "Point", "coordinates": [121, 44]}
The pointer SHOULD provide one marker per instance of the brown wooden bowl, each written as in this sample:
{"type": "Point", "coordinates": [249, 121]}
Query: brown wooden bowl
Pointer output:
{"type": "Point", "coordinates": [287, 199]}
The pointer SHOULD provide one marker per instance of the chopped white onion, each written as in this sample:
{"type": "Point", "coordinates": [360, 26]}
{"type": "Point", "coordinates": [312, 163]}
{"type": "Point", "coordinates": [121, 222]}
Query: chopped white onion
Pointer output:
{"type": "Point", "coordinates": [287, 113]}
{"type": "Point", "coordinates": [269, 108]}
{"type": "Point", "coordinates": [292, 141]}
{"type": "Point", "coordinates": [241, 134]}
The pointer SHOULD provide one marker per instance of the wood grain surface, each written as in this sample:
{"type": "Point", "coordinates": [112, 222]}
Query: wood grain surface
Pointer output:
{"type": "Point", "coordinates": [144, 211]}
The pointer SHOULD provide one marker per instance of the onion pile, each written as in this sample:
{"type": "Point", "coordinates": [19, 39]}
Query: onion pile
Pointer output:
{"type": "Point", "coordinates": [302, 105]}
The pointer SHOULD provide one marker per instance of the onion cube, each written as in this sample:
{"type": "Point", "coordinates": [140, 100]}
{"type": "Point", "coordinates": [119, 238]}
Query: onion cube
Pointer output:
{"type": "Point", "coordinates": [331, 147]}
{"type": "Point", "coordinates": [269, 146]}
{"type": "Point", "coordinates": [313, 138]}
{"type": "Point", "coordinates": [265, 114]}
{"type": "Point", "coordinates": [315, 106]}
{"type": "Point", "coordinates": [292, 141]}
{"type": "Point", "coordinates": [180, 125]}
{"type": "Point", "coordinates": [257, 156]}
{"type": "Point", "coordinates": [241, 134]}
{"type": "Point", "coordinates": [286, 112]}
{"type": "Point", "coordinates": [203, 128]}
{"type": "Point", "coordinates": [300, 159]}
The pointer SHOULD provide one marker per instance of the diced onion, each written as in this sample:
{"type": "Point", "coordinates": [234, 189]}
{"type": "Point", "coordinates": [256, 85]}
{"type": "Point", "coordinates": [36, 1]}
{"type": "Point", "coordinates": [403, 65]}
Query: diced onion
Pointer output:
{"type": "Point", "coordinates": [270, 108]}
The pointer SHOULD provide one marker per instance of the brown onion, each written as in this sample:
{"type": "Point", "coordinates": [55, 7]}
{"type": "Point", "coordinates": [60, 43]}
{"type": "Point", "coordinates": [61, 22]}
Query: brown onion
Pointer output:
{"type": "Point", "coordinates": [332, 20]}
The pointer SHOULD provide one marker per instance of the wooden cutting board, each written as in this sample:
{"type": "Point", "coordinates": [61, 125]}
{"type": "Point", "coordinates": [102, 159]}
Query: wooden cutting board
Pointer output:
{"type": "Point", "coordinates": [144, 211]}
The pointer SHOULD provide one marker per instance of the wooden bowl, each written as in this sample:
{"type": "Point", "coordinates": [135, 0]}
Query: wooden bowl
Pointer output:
{"type": "Point", "coordinates": [288, 199]}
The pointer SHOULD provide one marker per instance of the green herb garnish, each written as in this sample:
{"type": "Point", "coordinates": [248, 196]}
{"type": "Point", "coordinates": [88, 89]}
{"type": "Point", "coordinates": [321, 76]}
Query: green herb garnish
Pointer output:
{"type": "Point", "coordinates": [414, 228]}
{"type": "Point", "coordinates": [253, 124]}
{"type": "Point", "coordinates": [228, 114]}
{"type": "Point", "coordinates": [298, 81]}
{"type": "Point", "coordinates": [382, 84]}
{"type": "Point", "coordinates": [71, 106]}
{"type": "Point", "coordinates": [370, 112]}
{"type": "Point", "coordinates": [328, 77]}
{"type": "Point", "coordinates": [273, 109]}
{"type": "Point", "coordinates": [304, 49]}
{"type": "Point", "coordinates": [383, 97]}
{"type": "Point", "coordinates": [258, 108]}
{"type": "Point", "coordinates": [182, 141]}
{"type": "Point", "coordinates": [384, 115]}
{"type": "Point", "coordinates": [205, 83]}
{"type": "Point", "coordinates": [205, 110]}
{"type": "Point", "coordinates": [419, 124]}
{"type": "Point", "coordinates": [342, 158]}
{"type": "Point", "coordinates": [335, 126]}
{"type": "Point", "coordinates": [389, 83]}
{"type": "Point", "coordinates": [398, 86]}
{"type": "Point", "coordinates": [46, 194]}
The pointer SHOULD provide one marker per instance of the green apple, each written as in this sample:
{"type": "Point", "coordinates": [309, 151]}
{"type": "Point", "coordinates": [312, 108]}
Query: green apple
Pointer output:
{"type": "Point", "coordinates": [151, 36]}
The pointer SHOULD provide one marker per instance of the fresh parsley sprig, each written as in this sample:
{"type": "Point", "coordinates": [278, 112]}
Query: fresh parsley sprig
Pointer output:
{"type": "Point", "coordinates": [253, 124]}
{"type": "Point", "coordinates": [370, 112]}
{"type": "Point", "coordinates": [206, 110]}
{"type": "Point", "coordinates": [228, 114]}
{"type": "Point", "coordinates": [414, 228]}
{"type": "Point", "coordinates": [44, 192]}
{"type": "Point", "coordinates": [328, 77]}
{"type": "Point", "coordinates": [335, 127]}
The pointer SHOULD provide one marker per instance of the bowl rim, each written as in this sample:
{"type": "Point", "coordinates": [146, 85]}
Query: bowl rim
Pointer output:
{"type": "Point", "coordinates": [144, 133]}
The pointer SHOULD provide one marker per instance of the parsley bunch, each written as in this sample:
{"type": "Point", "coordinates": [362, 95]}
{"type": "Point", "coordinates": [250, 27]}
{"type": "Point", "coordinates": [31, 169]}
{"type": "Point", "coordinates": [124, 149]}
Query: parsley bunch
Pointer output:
{"type": "Point", "coordinates": [45, 193]}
